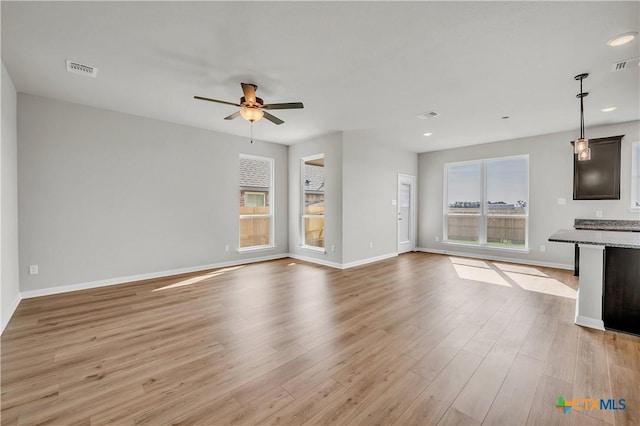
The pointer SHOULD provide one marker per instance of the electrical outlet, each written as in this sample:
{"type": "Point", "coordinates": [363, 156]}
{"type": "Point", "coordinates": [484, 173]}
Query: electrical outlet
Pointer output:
{"type": "Point", "coordinates": [394, 203]}
{"type": "Point", "coordinates": [437, 239]}
{"type": "Point", "coordinates": [370, 245]}
{"type": "Point", "coordinates": [333, 248]}
{"type": "Point", "coordinates": [543, 248]}
{"type": "Point", "coordinates": [562, 201]}
{"type": "Point", "coordinates": [226, 247]}
{"type": "Point", "coordinates": [33, 269]}
{"type": "Point", "coordinates": [598, 213]}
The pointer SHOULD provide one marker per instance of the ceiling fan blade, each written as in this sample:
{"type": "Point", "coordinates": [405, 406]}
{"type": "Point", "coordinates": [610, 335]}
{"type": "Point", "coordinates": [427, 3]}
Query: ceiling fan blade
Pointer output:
{"type": "Point", "coordinates": [287, 105]}
{"type": "Point", "coordinates": [272, 118]}
{"type": "Point", "coordinates": [232, 116]}
{"type": "Point", "coordinates": [249, 92]}
{"type": "Point", "coordinates": [200, 98]}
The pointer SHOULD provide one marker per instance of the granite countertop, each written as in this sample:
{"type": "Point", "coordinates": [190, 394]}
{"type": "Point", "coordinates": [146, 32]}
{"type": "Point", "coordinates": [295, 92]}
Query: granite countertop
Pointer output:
{"type": "Point", "coordinates": [601, 238]}
{"type": "Point", "coordinates": [607, 224]}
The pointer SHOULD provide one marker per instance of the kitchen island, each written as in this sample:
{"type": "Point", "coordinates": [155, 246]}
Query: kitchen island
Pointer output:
{"type": "Point", "coordinates": [609, 279]}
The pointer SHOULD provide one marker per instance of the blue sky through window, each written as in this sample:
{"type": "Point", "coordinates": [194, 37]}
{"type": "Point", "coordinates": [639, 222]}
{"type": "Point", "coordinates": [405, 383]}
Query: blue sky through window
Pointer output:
{"type": "Point", "coordinates": [506, 181]}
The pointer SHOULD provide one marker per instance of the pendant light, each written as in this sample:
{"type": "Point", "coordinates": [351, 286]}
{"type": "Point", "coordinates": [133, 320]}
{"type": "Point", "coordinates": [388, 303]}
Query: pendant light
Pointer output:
{"type": "Point", "coordinates": [581, 145]}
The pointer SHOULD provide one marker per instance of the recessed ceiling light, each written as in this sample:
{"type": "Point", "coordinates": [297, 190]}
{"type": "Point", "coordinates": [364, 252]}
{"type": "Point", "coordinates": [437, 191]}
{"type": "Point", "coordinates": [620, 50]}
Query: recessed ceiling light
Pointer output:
{"type": "Point", "coordinates": [608, 109]}
{"type": "Point", "coordinates": [621, 39]}
{"type": "Point", "coordinates": [428, 134]}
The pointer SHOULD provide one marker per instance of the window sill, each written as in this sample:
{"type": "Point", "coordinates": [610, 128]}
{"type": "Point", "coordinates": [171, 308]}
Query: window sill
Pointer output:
{"type": "Point", "coordinates": [314, 249]}
{"type": "Point", "coordinates": [256, 248]}
{"type": "Point", "coordinates": [486, 247]}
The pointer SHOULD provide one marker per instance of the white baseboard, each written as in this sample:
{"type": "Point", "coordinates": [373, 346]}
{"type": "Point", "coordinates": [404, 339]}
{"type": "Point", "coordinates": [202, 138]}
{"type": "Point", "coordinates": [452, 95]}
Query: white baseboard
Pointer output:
{"type": "Point", "coordinates": [590, 322]}
{"type": "Point", "coordinates": [497, 258]}
{"type": "Point", "coordinates": [122, 280]}
{"type": "Point", "coordinates": [368, 260]}
{"type": "Point", "coordinates": [10, 311]}
{"type": "Point", "coordinates": [314, 260]}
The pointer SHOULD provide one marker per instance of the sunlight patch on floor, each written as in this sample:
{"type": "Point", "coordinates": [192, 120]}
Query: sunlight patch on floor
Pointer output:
{"type": "Point", "coordinates": [480, 274]}
{"type": "Point", "coordinates": [519, 269]}
{"type": "Point", "coordinates": [544, 285]}
{"type": "Point", "coordinates": [469, 262]}
{"type": "Point", "coordinates": [195, 280]}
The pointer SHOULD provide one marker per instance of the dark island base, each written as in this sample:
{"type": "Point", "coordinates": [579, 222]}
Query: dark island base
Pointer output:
{"type": "Point", "coordinates": [621, 293]}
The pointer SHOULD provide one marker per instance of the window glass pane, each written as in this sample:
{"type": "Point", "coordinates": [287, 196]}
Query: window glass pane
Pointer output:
{"type": "Point", "coordinates": [506, 231]}
{"type": "Point", "coordinates": [254, 232]}
{"type": "Point", "coordinates": [255, 194]}
{"type": "Point", "coordinates": [314, 187]}
{"type": "Point", "coordinates": [507, 186]}
{"type": "Point", "coordinates": [314, 232]}
{"type": "Point", "coordinates": [255, 184]}
{"type": "Point", "coordinates": [464, 191]}
{"type": "Point", "coordinates": [463, 229]}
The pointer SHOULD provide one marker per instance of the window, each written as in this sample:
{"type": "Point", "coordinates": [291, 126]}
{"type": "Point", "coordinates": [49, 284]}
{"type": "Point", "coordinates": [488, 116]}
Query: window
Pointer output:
{"type": "Point", "coordinates": [486, 202]}
{"type": "Point", "coordinates": [635, 176]}
{"type": "Point", "coordinates": [256, 201]}
{"type": "Point", "coordinates": [312, 217]}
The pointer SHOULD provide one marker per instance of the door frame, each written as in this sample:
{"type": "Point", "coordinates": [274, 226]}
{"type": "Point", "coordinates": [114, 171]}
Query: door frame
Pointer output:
{"type": "Point", "coordinates": [412, 212]}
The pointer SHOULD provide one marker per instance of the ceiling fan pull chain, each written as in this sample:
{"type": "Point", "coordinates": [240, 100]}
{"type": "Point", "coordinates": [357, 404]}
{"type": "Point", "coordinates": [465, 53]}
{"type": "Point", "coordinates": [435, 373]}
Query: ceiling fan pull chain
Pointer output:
{"type": "Point", "coordinates": [252, 132]}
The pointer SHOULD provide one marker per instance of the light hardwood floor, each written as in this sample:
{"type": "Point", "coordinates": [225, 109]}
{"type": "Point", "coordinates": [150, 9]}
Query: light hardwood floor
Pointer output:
{"type": "Point", "coordinates": [419, 339]}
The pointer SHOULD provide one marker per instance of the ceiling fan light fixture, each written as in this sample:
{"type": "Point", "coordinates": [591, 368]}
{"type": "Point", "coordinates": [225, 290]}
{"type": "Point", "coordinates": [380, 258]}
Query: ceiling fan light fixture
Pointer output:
{"type": "Point", "coordinates": [251, 114]}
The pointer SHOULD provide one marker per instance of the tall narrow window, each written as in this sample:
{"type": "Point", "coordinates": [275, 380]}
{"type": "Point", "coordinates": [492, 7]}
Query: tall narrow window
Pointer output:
{"type": "Point", "coordinates": [256, 201]}
{"type": "Point", "coordinates": [487, 202]}
{"type": "Point", "coordinates": [313, 202]}
{"type": "Point", "coordinates": [635, 176]}
{"type": "Point", "coordinates": [464, 202]}
{"type": "Point", "coordinates": [507, 193]}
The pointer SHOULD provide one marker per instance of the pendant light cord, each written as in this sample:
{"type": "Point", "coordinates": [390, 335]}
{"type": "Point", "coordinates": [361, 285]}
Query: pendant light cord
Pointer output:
{"type": "Point", "coordinates": [581, 111]}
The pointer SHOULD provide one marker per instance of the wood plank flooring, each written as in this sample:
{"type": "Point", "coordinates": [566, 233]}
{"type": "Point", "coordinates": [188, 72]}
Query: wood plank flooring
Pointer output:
{"type": "Point", "coordinates": [419, 339]}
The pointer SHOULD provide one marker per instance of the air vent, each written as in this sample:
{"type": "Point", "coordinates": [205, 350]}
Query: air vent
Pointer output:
{"type": "Point", "coordinates": [82, 69]}
{"type": "Point", "coordinates": [626, 64]}
{"type": "Point", "coordinates": [430, 114]}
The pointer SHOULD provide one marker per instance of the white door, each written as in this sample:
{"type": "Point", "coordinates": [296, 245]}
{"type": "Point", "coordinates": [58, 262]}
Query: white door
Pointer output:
{"type": "Point", "coordinates": [406, 213]}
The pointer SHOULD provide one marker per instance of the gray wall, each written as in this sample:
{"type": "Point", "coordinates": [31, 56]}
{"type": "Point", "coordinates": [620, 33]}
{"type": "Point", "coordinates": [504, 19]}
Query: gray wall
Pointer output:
{"type": "Point", "coordinates": [550, 178]}
{"type": "Point", "coordinates": [9, 288]}
{"type": "Point", "coordinates": [331, 146]}
{"type": "Point", "coordinates": [370, 183]}
{"type": "Point", "coordinates": [105, 195]}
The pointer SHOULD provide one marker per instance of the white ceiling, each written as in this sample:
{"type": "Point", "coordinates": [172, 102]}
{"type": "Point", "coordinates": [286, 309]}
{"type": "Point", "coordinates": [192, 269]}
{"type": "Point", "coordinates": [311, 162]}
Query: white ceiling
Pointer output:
{"type": "Point", "coordinates": [355, 65]}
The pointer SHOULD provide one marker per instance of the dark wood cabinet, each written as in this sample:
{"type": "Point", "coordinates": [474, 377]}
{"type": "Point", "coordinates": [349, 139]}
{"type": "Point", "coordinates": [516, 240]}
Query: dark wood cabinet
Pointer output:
{"type": "Point", "coordinates": [621, 293]}
{"type": "Point", "coordinates": [598, 178]}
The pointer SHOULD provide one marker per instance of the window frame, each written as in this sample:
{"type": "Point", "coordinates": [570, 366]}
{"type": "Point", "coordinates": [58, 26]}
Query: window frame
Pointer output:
{"type": "Point", "coordinates": [483, 215]}
{"type": "Point", "coordinates": [302, 206]}
{"type": "Point", "coordinates": [270, 215]}
{"type": "Point", "coordinates": [635, 177]}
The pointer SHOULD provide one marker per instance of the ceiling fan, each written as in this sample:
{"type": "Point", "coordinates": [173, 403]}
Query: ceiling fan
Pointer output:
{"type": "Point", "coordinates": [253, 108]}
